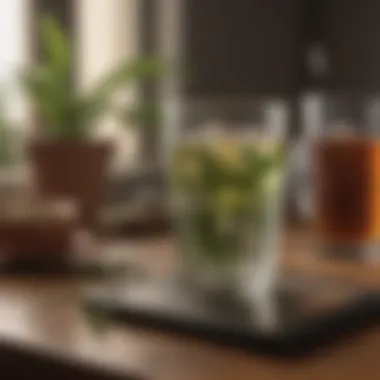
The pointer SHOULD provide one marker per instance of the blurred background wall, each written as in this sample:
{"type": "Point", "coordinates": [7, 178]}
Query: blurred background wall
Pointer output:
{"type": "Point", "coordinates": [228, 50]}
{"type": "Point", "coordinates": [227, 54]}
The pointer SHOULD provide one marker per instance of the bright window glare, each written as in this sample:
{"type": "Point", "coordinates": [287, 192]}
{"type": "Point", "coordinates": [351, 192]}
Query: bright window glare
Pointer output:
{"type": "Point", "coordinates": [13, 52]}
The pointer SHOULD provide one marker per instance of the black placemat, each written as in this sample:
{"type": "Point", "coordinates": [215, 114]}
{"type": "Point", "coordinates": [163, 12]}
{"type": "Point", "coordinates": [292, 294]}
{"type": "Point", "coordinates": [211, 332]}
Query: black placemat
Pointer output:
{"type": "Point", "coordinates": [302, 316]}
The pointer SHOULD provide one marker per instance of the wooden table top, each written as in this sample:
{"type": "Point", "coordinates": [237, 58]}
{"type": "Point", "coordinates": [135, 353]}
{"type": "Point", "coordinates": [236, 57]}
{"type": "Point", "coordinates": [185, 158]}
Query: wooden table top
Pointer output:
{"type": "Point", "coordinates": [46, 316]}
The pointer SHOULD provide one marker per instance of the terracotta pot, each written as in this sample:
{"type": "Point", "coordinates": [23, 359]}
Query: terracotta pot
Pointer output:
{"type": "Point", "coordinates": [74, 170]}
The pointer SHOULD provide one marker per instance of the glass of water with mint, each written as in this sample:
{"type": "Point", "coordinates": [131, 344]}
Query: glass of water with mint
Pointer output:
{"type": "Point", "coordinates": [227, 177]}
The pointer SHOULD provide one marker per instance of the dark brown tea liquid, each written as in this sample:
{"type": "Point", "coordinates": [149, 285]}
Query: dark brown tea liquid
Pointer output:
{"type": "Point", "coordinates": [348, 193]}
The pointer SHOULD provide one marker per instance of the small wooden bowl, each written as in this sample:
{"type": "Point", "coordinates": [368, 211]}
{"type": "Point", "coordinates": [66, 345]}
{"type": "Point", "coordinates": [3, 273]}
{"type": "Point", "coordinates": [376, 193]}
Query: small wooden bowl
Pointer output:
{"type": "Point", "coordinates": [40, 229]}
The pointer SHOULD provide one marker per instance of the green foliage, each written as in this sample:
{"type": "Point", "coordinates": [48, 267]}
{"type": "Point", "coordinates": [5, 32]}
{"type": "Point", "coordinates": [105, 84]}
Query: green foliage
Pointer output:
{"type": "Point", "coordinates": [66, 113]}
{"type": "Point", "coordinates": [225, 190]}
{"type": "Point", "coordinates": [141, 115]}
{"type": "Point", "coordinates": [7, 137]}
{"type": "Point", "coordinates": [7, 154]}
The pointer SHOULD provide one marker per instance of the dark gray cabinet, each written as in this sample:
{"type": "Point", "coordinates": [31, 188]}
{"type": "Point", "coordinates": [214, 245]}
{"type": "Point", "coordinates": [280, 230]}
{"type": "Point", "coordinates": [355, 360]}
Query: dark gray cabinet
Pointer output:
{"type": "Point", "coordinates": [351, 35]}
{"type": "Point", "coordinates": [262, 47]}
{"type": "Point", "coordinates": [243, 47]}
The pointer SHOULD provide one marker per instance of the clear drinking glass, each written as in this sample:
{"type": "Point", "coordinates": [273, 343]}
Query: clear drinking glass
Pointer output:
{"type": "Point", "coordinates": [347, 180]}
{"type": "Point", "coordinates": [227, 173]}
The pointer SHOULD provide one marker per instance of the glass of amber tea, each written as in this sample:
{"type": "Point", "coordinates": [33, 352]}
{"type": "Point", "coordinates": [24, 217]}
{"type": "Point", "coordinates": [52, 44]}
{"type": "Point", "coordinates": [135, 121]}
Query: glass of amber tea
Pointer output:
{"type": "Point", "coordinates": [227, 182]}
{"type": "Point", "coordinates": [347, 184]}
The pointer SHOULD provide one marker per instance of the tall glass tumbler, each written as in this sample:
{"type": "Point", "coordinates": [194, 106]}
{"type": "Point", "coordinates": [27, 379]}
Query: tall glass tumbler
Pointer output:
{"type": "Point", "coordinates": [347, 180]}
{"type": "Point", "coordinates": [227, 174]}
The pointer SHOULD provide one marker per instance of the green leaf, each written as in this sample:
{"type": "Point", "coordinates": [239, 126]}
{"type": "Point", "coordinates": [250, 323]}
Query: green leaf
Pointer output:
{"type": "Point", "coordinates": [8, 135]}
{"type": "Point", "coordinates": [141, 115]}
{"type": "Point", "coordinates": [48, 96]}
{"type": "Point", "coordinates": [55, 44]}
{"type": "Point", "coordinates": [137, 70]}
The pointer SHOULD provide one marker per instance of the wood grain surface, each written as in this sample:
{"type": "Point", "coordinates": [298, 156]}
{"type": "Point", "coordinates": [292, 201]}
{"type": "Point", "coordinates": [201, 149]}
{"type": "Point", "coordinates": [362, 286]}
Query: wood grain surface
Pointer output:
{"type": "Point", "coordinates": [46, 316]}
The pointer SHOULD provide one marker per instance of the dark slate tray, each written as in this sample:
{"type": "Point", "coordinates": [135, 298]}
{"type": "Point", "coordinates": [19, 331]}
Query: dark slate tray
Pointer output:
{"type": "Point", "coordinates": [301, 317]}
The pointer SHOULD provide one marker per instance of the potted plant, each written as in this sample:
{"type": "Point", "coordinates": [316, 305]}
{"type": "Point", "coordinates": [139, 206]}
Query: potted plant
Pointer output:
{"type": "Point", "coordinates": [68, 161]}
{"type": "Point", "coordinates": [30, 227]}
